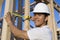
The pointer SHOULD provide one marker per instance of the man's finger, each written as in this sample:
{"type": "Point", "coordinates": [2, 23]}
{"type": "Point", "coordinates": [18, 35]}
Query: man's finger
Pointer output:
{"type": "Point", "coordinates": [9, 14]}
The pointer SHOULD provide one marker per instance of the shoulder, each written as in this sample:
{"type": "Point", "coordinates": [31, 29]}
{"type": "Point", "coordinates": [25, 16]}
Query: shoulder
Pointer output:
{"type": "Point", "coordinates": [43, 29]}
{"type": "Point", "coordinates": [39, 33]}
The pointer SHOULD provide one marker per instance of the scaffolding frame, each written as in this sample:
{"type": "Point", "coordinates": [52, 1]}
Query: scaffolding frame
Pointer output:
{"type": "Point", "coordinates": [8, 7]}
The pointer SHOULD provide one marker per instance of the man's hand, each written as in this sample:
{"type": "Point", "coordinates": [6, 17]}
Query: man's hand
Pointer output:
{"type": "Point", "coordinates": [17, 33]}
{"type": "Point", "coordinates": [8, 18]}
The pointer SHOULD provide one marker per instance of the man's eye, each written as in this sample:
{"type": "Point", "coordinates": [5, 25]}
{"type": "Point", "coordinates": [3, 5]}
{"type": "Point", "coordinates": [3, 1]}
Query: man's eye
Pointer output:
{"type": "Point", "coordinates": [39, 14]}
{"type": "Point", "coordinates": [34, 14]}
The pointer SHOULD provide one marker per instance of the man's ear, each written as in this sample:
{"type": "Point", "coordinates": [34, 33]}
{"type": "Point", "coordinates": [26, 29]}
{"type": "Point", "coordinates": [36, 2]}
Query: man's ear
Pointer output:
{"type": "Point", "coordinates": [46, 19]}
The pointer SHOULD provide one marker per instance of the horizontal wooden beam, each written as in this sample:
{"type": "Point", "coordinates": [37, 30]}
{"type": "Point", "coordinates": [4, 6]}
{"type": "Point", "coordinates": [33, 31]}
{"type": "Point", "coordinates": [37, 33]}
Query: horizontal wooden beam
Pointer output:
{"type": "Point", "coordinates": [58, 22]}
{"type": "Point", "coordinates": [57, 7]}
{"type": "Point", "coordinates": [45, 1]}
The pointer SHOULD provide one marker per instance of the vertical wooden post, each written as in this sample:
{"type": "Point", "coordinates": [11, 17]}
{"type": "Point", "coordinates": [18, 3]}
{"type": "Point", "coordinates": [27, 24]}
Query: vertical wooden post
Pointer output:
{"type": "Point", "coordinates": [51, 21]}
{"type": "Point", "coordinates": [13, 17]}
{"type": "Point", "coordinates": [14, 9]}
{"type": "Point", "coordinates": [5, 29]}
{"type": "Point", "coordinates": [19, 24]}
{"type": "Point", "coordinates": [27, 13]}
{"type": "Point", "coordinates": [1, 2]}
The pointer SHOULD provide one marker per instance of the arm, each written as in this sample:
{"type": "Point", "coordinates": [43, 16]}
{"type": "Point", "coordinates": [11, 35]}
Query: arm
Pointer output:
{"type": "Point", "coordinates": [17, 33]}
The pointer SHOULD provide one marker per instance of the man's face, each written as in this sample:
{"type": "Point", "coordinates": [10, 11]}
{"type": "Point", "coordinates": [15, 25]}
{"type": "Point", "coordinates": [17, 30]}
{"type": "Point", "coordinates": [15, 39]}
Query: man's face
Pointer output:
{"type": "Point", "coordinates": [39, 19]}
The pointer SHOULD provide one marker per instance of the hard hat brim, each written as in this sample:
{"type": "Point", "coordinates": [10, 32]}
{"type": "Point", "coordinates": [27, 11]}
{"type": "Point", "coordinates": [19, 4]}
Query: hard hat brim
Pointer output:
{"type": "Point", "coordinates": [41, 13]}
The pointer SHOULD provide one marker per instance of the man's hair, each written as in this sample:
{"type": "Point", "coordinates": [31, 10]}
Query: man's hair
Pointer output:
{"type": "Point", "coordinates": [46, 15]}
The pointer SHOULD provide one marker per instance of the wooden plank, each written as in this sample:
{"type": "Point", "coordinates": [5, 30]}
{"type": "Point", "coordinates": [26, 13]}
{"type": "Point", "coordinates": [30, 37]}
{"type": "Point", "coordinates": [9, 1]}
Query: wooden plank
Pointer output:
{"type": "Point", "coordinates": [19, 24]}
{"type": "Point", "coordinates": [27, 13]}
{"type": "Point", "coordinates": [51, 21]}
{"type": "Point", "coordinates": [1, 2]}
{"type": "Point", "coordinates": [34, 3]}
{"type": "Point", "coordinates": [5, 29]}
{"type": "Point", "coordinates": [45, 1]}
{"type": "Point", "coordinates": [13, 17]}
{"type": "Point", "coordinates": [57, 7]}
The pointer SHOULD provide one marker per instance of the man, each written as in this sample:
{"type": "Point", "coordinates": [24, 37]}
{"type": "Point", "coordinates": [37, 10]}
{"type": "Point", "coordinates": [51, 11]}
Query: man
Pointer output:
{"type": "Point", "coordinates": [40, 18]}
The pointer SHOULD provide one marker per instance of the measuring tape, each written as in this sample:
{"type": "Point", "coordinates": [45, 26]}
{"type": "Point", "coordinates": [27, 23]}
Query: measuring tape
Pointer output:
{"type": "Point", "coordinates": [18, 15]}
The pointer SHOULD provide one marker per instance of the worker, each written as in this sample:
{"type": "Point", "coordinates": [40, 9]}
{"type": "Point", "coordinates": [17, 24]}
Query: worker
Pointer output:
{"type": "Point", "coordinates": [40, 18]}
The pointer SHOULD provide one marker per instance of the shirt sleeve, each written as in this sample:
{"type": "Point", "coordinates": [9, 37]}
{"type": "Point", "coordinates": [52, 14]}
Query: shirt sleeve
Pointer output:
{"type": "Point", "coordinates": [30, 34]}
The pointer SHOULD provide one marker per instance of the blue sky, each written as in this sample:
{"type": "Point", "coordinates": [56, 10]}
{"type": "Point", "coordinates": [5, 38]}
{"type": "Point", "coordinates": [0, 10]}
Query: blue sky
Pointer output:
{"type": "Point", "coordinates": [57, 17]}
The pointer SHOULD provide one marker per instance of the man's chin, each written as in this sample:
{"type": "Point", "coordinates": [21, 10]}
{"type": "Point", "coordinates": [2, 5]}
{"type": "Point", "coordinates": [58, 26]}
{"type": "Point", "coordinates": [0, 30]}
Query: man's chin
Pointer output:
{"type": "Point", "coordinates": [37, 25]}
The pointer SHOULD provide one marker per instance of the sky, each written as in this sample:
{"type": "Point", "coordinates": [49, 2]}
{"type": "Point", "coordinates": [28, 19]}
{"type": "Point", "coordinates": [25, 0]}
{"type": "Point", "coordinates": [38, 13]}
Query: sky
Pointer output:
{"type": "Point", "coordinates": [57, 17]}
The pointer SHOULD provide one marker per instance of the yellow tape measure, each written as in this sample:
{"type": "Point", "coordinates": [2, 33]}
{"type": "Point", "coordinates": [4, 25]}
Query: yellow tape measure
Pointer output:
{"type": "Point", "coordinates": [25, 17]}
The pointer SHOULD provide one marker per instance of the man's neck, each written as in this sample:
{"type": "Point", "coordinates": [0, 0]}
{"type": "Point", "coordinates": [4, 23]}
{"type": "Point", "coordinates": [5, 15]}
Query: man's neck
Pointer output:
{"type": "Point", "coordinates": [42, 25]}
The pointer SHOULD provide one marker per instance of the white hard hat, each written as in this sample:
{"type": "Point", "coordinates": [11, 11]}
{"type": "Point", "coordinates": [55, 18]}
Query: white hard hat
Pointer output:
{"type": "Point", "coordinates": [41, 8]}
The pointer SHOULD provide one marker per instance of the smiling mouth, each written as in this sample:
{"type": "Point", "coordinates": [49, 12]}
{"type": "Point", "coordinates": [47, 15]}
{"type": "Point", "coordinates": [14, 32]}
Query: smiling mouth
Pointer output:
{"type": "Point", "coordinates": [36, 21]}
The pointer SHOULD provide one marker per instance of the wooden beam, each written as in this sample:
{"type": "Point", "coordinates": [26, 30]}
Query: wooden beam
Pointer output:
{"type": "Point", "coordinates": [13, 17]}
{"type": "Point", "coordinates": [19, 24]}
{"type": "Point", "coordinates": [27, 13]}
{"type": "Point", "coordinates": [51, 21]}
{"type": "Point", "coordinates": [45, 1]}
{"type": "Point", "coordinates": [1, 2]}
{"type": "Point", "coordinates": [57, 7]}
{"type": "Point", "coordinates": [34, 3]}
{"type": "Point", "coordinates": [5, 29]}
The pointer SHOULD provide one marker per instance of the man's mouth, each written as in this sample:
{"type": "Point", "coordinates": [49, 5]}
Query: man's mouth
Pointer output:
{"type": "Point", "coordinates": [36, 21]}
